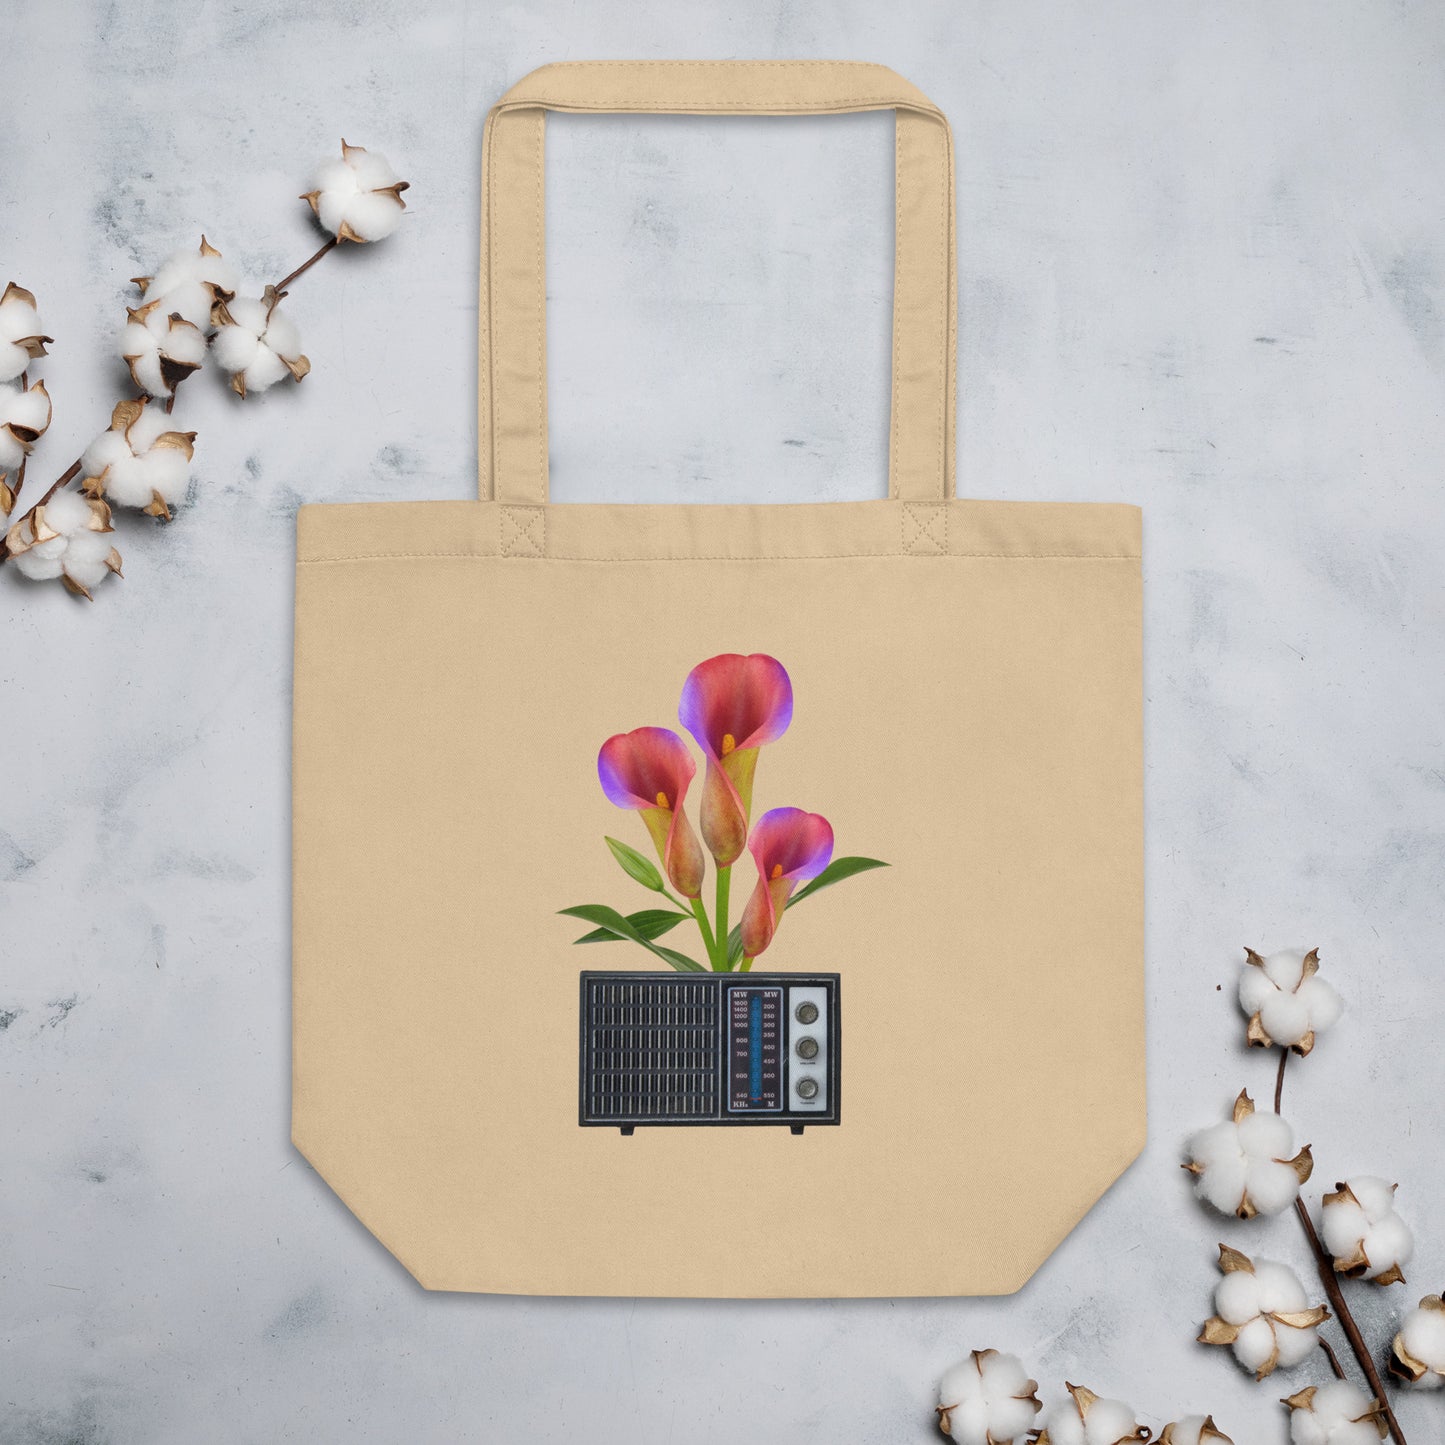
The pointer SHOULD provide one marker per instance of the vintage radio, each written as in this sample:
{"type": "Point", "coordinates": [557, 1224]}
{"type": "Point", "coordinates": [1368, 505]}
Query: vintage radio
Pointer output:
{"type": "Point", "coordinates": [711, 1048]}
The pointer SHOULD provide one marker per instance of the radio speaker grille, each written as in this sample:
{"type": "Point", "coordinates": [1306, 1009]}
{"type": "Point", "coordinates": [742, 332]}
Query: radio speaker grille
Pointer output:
{"type": "Point", "coordinates": [652, 1050]}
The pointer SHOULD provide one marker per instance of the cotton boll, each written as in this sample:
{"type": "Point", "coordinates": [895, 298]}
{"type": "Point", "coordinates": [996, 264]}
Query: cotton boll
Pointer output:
{"type": "Point", "coordinates": [1287, 1003]}
{"type": "Point", "coordinates": [1418, 1353]}
{"type": "Point", "coordinates": [357, 198]}
{"type": "Point", "coordinates": [22, 338]}
{"type": "Point", "coordinates": [190, 283]}
{"type": "Point", "coordinates": [1334, 1414]}
{"type": "Point", "coordinates": [24, 417]}
{"type": "Point", "coordinates": [160, 349]}
{"type": "Point", "coordinates": [987, 1399]}
{"type": "Point", "coordinates": [66, 537]}
{"type": "Point", "coordinates": [258, 343]}
{"type": "Point", "coordinates": [1242, 1166]}
{"type": "Point", "coordinates": [1362, 1231]}
{"type": "Point", "coordinates": [1262, 1312]}
{"type": "Point", "coordinates": [1194, 1430]}
{"type": "Point", "coordinates": [139, 462]}
{"type": "Point", "coordinates": [1088, 1420]}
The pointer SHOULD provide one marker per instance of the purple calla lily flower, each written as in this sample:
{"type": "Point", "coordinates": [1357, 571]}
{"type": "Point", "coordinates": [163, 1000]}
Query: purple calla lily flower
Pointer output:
{"type": "Point", "coordinates": [649, 770]}
{"type": "Point", "coordinates": [790, 847]}
{"type": "Point", "coordinates": [732, 705]}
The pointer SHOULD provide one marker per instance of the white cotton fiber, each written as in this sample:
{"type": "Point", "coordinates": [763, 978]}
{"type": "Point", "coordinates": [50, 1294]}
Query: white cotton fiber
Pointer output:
{"type": "Point", "coordinates": [988, 1399]}
{"type": "Point", "coordinates": [85, 558]}
{"type": "Point", "coordinates": [1279, 1287]}
{"type": "Point", "coordinates": [1290, 1008]}
{"type": "Point", "coordinates": [146, 342]}
{"type": "Point", "coordinates": [1335, 1416]}
{"type": "Point", "coordinates": [1107, 1422]}
{"type": "Point", "coordinates": [234, 347]}
{"type": "Point", "coordinates": [189, 282]}
{"type": "Point", "coordinates": [12, 453]}
{"type": "Point", "coordinates": [1273, 1186]}
{"type": "Point", "coordinates": [1238, 1165]}
{"type": "Point", "coordinates": [1255, 1344]}
{"type": "Point", "coordinates": [1423, 1335]}
{"type": "Point", "coordinates": [356, 192]}
{"type": "Point", "coordinates": [265, 370]}
{"type": "Point", "coordinates": [18, 323]}
{"type": "Point", "coordinates": [1364, 1223]}
{"type": "Point", "coordinates": [1285, 1017]}
{"type": "Point", "coordinates": [1264, 1135]}
{"type": "Point", "coordinates": [38, 565]}
{"type": "Point", "coordinates": [261, 345]}
{"type": "Point", "coordinates": [68, 512]}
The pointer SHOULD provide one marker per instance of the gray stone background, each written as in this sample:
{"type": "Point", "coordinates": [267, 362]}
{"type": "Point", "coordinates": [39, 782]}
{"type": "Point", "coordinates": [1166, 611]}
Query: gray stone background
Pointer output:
{"type": "Point", "coordinates": [1202, 269]}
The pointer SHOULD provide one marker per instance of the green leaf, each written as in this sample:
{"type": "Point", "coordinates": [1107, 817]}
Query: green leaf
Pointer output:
{"type": "Point", "coordinates": [641, 869]}
{"type": "Point", "coordinates": [680, 961]}
{"type": "Point", "coordinates": [650, 922]}
{"type": "Point", "coordinates": [835, 872]}
{"type": "Point", "coordinates": [610, 920]}
{"type": "Point", "coordinates": [735, 947]}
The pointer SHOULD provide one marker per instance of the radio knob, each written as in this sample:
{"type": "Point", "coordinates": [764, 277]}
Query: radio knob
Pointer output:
{"type": "Point", "coordinates": [807, 1048]}
{"type": "Point", "coordinates": [807, 1088]}
{"type": "Point", "coordinates": [806, 1013]}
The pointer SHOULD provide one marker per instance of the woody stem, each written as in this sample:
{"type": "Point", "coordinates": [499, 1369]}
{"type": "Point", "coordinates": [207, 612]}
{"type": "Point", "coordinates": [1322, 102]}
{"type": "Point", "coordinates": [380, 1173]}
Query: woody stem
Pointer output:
{"type": "Point", "coordinates": [1326, 1268]}
{"type": "Point", "coordinates": [306, 265]}
{"type": "Point", "coordinates": [1333, 1358]}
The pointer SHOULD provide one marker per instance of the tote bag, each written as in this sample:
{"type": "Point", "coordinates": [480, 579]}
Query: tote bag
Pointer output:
{"type": "Point", "coordinates": [962, 685]}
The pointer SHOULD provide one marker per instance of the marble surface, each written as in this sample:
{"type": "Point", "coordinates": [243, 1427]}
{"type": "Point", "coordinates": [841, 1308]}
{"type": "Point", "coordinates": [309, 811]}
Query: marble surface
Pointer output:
{"type": "Point", "coordinates": [1202, 269]}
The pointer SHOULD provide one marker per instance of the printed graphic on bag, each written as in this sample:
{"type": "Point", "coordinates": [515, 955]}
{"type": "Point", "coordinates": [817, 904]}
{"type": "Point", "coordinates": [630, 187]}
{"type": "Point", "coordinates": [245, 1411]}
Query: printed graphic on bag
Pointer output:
{"type": "Point", "coordinates": [732, 706]}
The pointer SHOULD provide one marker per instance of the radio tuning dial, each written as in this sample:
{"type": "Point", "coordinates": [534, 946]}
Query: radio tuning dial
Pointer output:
{"type": "Point", "coordinates": [807, 1047]}
{"type": "Point", "coordinates": [806, 1013]}
{"type": "Point", "coordinates": [807, 1088]}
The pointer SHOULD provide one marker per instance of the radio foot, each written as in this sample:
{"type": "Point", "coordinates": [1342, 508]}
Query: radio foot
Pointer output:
{"type": "Point", "coordinates": [798, 1128]}
{"type": "Point", "coordinates": [626, 1128]}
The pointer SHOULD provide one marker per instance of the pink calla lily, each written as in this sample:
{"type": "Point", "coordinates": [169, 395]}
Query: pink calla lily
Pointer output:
{"type": "Point", "coordinates": [732, 705]}
{"type": "Point", "coordinates": [790, 847]}
{"type": "Point", "coordinates": [649, 770]}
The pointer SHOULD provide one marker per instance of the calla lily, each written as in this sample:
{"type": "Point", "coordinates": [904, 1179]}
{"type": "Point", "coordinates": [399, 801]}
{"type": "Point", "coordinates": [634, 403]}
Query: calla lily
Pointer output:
{"type": "Point", "coordinates": [790, 847]}
{"type": "Point", "coordinates": [732, 705]}
{"type": "Point", "coordinates": [649, 770]}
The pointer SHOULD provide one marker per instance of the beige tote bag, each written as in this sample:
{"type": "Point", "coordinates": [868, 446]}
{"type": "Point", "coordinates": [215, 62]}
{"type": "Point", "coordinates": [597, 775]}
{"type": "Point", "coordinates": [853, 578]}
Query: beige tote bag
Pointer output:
{"type": "Point", "coordinates": [486, 690]}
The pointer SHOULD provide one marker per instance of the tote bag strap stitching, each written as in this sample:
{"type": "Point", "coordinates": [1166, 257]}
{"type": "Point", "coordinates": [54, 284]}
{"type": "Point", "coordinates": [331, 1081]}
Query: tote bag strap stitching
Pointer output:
{"type": "Point", "coordinates": [521, 114]}
{"type": "Point", "coordinates": [482, 555]}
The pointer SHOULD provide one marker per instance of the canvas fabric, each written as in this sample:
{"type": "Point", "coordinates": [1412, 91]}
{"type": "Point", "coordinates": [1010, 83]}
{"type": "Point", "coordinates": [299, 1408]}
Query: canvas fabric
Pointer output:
{"type": "Point", "coordinates": [967, 677]}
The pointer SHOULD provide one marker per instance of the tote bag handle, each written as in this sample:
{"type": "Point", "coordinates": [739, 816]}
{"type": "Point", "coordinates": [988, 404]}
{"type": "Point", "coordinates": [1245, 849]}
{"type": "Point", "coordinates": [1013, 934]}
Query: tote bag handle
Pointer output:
{"type": "Point", "coordinates": [512, 355]}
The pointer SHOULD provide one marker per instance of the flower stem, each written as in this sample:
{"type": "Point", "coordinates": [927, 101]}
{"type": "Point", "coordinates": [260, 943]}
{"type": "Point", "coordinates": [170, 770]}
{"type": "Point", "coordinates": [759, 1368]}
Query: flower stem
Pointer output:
{"type": "Point", "coordinates": [700, 913]}
{"type": "Point", "coordinates": [1333, 1358]}
{"type": "Point", "coordinates": [724, 883]}
{"type": "Point", "coordinates": [306, 265]}
{"type": "Point", "coordinates": [1326, 1268]}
